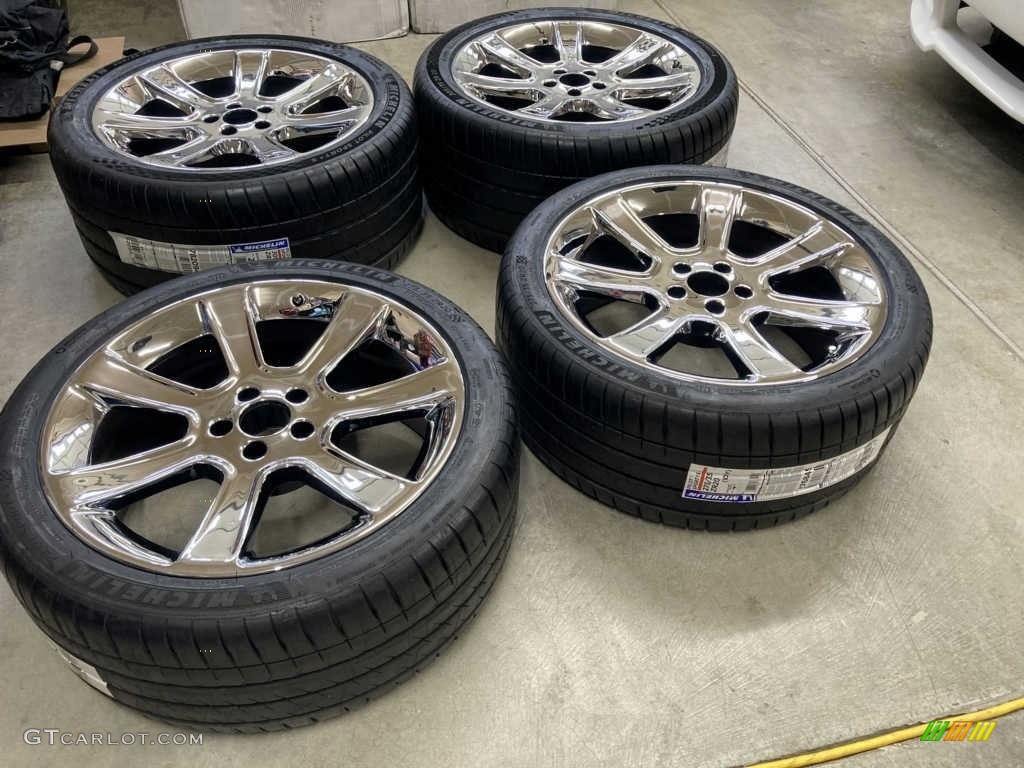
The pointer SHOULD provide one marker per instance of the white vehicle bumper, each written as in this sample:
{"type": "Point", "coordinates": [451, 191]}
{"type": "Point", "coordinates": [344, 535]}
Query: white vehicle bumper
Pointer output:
{"type": "Point", "coordinates": [933, 24]}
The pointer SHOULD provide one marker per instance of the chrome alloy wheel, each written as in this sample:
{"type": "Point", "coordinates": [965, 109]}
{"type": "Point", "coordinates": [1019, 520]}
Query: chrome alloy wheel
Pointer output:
{"type": "Point", "coordinates": [231, 108]}
{"type": "Point", "coordinates": [711, 281]}
{"type": "Point", "coordinates": [586, 71]}
{"type": "Point", "coordinates": [260, 386]}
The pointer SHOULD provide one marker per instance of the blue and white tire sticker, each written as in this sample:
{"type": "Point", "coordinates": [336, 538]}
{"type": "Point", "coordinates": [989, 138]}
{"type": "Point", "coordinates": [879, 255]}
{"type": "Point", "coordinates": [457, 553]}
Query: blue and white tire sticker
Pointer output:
{"type": "Point", "coordinates": [183, 259]}
{"type": "Point", "coordinates": [742, 486]}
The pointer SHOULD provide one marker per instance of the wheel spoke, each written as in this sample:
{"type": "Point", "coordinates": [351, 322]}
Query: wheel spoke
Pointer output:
{"type": "Point", "coordinates": [129, 126]}
{"type": "Point", "coordinates": [317, 87]}
{"type": "Point", "coordinates": [353, 481]}
{"type": "Point", "coordinates": [718, 210]}
{"type": "Point", "coordinates": [641, 51]}
{"type": "Point", "coordinates": [618, 283]}
{"type": "Point", "coordinates": [111, 377]}
{"type": "Point", "coordinates": [496, 50]}
{"type": "Point", "coordinates": [163, 83]}
{"type": "Point", "coordinates": [647, 336]}
{"type": "Point", "coordinates": [228, 520]}
{"type": "Point", "coordinates": [792, 247]}
{"type": "Point", "coordinates": [336, 121]}
{"type": "Point", "coordinates": [609, 107]}
{"type": "Point", "coordinates": [846, 317]}
{"type": "Point", "coordinates": [231, 318]}
{"type": "Point", "coordinates": [551, 105]}
{"type": "Point", "coordinates": [250, 71]}
{"type": "Point", "coordinates": [100, 483]}
{"type": "Point", "coordinates": [567, 38]}
{"type": "Point", "coordinates": [268, 149]}
{"type": "Point", "coordinates": [794, 259]}
{"type": "Point", "coordinates": [417, 392]}
{"type": "Point", "coordinates": [356, 318]}
{"type": "Point", "coordinates": [198, 150]}
{"type": "Point", "coordinates": [498, 86]}
{"type": "Point", "coordinates": [619, 220]}
{"type": "Point", "coordinates": [760, 358]}
{"type": "Point", "coordinates": [667, 86]}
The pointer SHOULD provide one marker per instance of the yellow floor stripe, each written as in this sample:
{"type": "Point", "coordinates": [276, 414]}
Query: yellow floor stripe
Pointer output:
{"type": "Point", "coordinates": [885, 739]}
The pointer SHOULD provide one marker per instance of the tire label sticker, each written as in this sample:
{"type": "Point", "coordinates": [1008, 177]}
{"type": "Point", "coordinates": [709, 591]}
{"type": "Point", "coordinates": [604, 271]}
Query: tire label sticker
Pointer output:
{"type": "Point", "coordinates": [742, 486]}
{"type": "Point", "coordinates": [86, 671]}
{"type": "Point", "coordinates": [171, 257]}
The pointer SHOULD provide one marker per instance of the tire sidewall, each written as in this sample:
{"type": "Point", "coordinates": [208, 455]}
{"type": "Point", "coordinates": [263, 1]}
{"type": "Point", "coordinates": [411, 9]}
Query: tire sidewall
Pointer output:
{"type": "Point", "coordinates": [435, 68]}
{"type": "Point", "coordinates": [33, 537]}
{"type": "Point", "coordinates": [908, 318]}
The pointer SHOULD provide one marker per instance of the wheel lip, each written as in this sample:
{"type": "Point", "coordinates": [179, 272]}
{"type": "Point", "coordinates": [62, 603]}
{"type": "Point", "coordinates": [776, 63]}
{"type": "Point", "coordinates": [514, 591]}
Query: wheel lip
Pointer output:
{"type": "Point", "coordinates": [363, 84]}
{"type": "Point", "coordinates": [270, 274]}
{"type": "Point", "coordinates": [909, 322]}
{"type": "Point", "coordinates": [72, 141]}
{"type": "Point", "coordinates": [461, 55]}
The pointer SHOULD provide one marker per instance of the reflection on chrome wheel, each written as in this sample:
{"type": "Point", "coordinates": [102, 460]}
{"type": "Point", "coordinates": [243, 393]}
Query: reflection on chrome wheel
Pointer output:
{"type": "Point", "coordinates": [247, 499]}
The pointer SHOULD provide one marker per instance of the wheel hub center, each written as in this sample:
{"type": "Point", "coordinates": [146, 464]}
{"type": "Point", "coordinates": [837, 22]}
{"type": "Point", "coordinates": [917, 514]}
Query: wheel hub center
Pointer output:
{"type": "Point", "coordinates": [240, 116]}
{"type": "Point", "coordinates": [707, 284]}
{"type": "Point", "coordinates": [264, 418]}
{"type": "Point", "coordinates": [574, 80]}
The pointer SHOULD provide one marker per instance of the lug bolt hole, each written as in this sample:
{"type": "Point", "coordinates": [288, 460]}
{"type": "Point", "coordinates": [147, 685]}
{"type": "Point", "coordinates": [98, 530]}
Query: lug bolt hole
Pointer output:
{"type": "Point", "coordinates": [599, 86]}
{"type": "Point", "coordinates": [211, 118]}
{"type": "Point", "coordinates": [680, 268]}
{"type": "Point", "coordinates": [677, 292]}
{"type": "Point", "coordinates": [234, 105]}
{"type": "Point", "coordinates": [302, 430]}
{"type": "Point", "coordinates": [715, 307]}
{"type": "Point", "coordinates": [743, 291]}
{"type": "Point", "coordinates": [255, 450]}
{"type": "Point", "coordinates": [296, 396]}
{"type": "Point", "coordinates": [722, 267]}
{"type": "Point", "coordinates": [247, 394]}
{"type": "Point", "coordinates": [559, 72]}
{"type": "Point", "coordinates": [550, 83]}
{"type": "Point", "coordinates": [574, 91]}
{"type": "Point", "coordinates": [590, 72]}
{"type": "Point", "coordinates": [261, 124]}
{"type": "Point", "coordinates": [229, 130]}
{"type": "Point", "coordinates": [265, 110]}
{"type": "Point", "coordinates": [220, 427]}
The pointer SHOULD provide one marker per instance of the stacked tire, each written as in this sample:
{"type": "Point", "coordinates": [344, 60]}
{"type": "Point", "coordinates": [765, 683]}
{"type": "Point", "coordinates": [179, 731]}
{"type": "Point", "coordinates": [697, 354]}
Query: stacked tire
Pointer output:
{"type": "Point", "coordinates": [215, 151]}
{"type": "Point", "coordinates": [621, 91]}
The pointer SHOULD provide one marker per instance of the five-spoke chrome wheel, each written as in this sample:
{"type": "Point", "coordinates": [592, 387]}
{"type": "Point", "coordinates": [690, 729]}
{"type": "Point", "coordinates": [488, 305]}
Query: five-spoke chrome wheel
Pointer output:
{"type": "Point", "coordinates": [576, 70]}
{"type": "Point", "coordinates": [230, 108]}
{"type": "Point", "coordinates": [665, 273]}
{"type": "Point", "coordinates": [262, 387]}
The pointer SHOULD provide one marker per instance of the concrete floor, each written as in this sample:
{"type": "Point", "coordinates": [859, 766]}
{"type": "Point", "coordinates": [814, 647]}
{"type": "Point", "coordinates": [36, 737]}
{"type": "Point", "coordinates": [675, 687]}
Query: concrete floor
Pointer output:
{"type": "Point", "coordinates": [610, 641]}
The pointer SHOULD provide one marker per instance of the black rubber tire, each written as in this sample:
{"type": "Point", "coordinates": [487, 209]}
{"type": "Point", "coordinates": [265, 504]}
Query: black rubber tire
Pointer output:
{"type": "Point", "coordinates": [627, 435]}
{"type": "Point", "coordinates": [485, 169]}
{"type": "Point", "coordinates": [288, 648]}
{"type": "Point", "coordinates": [360, 201]}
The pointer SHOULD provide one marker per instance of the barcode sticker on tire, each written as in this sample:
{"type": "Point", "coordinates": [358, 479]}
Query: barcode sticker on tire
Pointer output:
{"type": "Point", "coordinates": [743, 486]}
{"type": "Point", "coordinates": [172, 257]}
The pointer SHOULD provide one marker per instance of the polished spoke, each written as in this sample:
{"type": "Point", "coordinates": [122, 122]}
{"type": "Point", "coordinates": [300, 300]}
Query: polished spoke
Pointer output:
{"type": "Point", "coordinates": [250, 72]}
{"type": "Point", "coordinates": [841, 316]}
{"type": "Point", "coordinates": [641, 51]}
{"type": "Point", "coordinates": [353, 481]}
{"type": "Point", "coordinates": [198, 150]}
{"type": "Point", "coordinates": [499, 86]}
{"type": "Point", "coordinates": [111, 377]}
{"type": "Point", "coordinates": [148, 126]}
{"type": "Point", "coordinates": [415, 393]}
{"type": "Point", "coordinates": [718, 209]}
{"type": "Point", "coordinates": [789, 249]}
{"type": "Point", "coordinates": [314, 89]}
{"type": "Point", "coordinates": [498, 51]}
{"type": "Point", "coordinates": [646, 337]}
{"type": "Point", "coordinates": [231, 318]}
{"type": "Point", "coordinates": [568, 41]}
{"type": "Point", "coordinates": [164, 84]}
{"type": "Point", "coordinates": [335, 121]}
{"type": "Point", "coordinates": [619, 283]}
{"type": "Point", "coordinates": [100, 483]}
{"type": "Point", "coordinates": [609, 106]}
{"type": "Point", "coordinates": [619, 220]}
{"type": "Point", "coordinates": [550, 106]}
{"type": "Point", "coordinates": [794, 259]}
{"type": "Point", "coordinates": [356, 318]}
{"type": "Point", "coordinates": [760, 358]}
{"type": "Point", "coordinates": [666, 86]}
{"type": "Point", "coordinates": [228, 521]}
{"type": "Point", "coordinates": [268, 149]}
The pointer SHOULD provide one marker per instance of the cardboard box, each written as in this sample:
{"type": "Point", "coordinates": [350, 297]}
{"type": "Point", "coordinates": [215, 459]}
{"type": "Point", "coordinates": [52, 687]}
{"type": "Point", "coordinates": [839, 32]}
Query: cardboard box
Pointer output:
{"type": "Point", "coordinates": [33, 132]}
{"type": "Point", "coordinates": [441, 15]}
{"type": "Point", "coordinates": [339, 21]}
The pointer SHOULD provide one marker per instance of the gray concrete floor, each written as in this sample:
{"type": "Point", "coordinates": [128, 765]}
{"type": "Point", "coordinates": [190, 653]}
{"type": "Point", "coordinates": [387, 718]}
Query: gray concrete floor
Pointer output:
{"type": "Point", "coordinates": [610, 641]}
